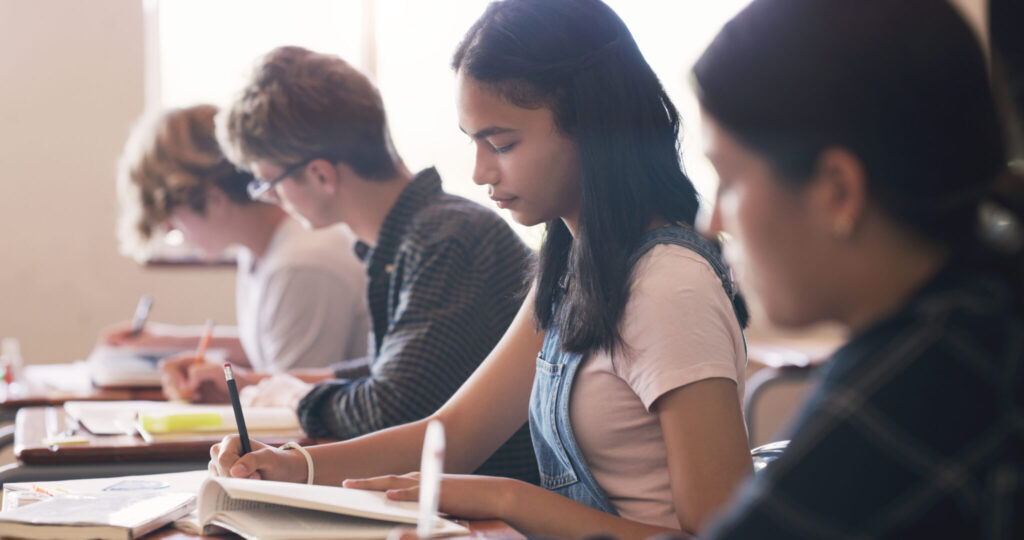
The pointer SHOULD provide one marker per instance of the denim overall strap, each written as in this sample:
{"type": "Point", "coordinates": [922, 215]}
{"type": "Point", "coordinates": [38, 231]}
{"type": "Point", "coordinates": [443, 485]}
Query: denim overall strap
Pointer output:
{"type": "Point", "coordinates": [560, 461]}
{"type": "Point", "coordinates": [563, 468]}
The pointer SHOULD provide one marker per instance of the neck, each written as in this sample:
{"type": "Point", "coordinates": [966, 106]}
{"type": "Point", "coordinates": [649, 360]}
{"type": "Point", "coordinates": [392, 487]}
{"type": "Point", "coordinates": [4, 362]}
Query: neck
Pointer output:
{"type": "Point", "coordinates": [368, 202]}
{"type": "Point", "coordinates": [256, 225]}
{"type": "Point", "coordinates": [883, 282]}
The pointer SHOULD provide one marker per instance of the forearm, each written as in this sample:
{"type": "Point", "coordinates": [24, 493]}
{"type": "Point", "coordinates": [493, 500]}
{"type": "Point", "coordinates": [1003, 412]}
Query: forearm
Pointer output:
{"type": "Point", "coordinates": [535, 511]}
{"type": "Point", "coordinates": [394, 450]}
{"type": "Point", "coordinates": [236, 354]}
{"type": "Point", "coordinates": [312, 375]}
{"type": "Point", "coordinates": [352, 369]}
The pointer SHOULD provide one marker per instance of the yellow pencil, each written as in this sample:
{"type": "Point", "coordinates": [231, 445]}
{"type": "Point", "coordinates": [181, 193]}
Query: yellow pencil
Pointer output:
{"type": "Point", "coordinates": [204, 341]}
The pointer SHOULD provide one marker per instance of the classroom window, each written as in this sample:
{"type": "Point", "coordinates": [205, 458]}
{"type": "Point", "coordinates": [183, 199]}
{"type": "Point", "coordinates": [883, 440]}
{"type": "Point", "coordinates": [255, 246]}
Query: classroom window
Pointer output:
{"type": "Point", "coordinates": [203, 50]}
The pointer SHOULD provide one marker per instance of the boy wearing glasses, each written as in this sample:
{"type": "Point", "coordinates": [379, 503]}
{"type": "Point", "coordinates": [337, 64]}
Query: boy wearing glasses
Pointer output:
{"type": "Point", "coordinates": [300, 294]}
{"type": "Point", "coordinates": [446, 276]}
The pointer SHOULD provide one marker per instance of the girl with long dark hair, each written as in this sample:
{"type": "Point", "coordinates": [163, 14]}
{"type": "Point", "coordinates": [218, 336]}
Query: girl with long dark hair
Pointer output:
{"type": "Point", "coordinates": [863, 179]}
{"type": "Point", "coordinates": [627, 358]}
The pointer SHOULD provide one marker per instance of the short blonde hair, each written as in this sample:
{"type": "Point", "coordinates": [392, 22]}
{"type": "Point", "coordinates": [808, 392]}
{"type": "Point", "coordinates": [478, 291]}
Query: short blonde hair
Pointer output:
{"type": "Point", "coordinates": [302, 105]}
{"type": "Point", "coordinates": [170, 160]}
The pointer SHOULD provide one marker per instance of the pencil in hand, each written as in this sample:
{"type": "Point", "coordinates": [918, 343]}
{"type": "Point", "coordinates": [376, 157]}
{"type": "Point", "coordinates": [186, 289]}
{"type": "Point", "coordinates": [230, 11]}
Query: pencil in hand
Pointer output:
{"type": "Point", "coordinates": [236, 404]}
{"type": "Point", "coordinates": [141, 314]}
{"type": "Point", "coordinates": [204, 341]}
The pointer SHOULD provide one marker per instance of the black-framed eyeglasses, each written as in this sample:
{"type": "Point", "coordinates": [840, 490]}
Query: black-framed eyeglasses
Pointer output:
{"type": "Point", "coordinates": [257, 188]}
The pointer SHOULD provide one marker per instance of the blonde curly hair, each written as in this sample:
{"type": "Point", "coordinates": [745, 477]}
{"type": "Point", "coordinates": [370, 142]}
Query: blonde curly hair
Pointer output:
{"type": "Point", "coordinates": [170, 160]}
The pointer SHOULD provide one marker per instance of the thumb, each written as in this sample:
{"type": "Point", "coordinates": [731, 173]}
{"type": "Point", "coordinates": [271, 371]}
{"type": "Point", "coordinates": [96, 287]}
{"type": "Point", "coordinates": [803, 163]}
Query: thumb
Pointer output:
{"type": "Point", "coordinates": [404, 494]}
{"type": "Point", "coordinates": [253, 465]}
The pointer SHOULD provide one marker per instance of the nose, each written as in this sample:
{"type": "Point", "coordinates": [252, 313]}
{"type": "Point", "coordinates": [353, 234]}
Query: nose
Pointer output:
{"type": "Point", "coordinates": [709, 222]}
{"type": "Point", "coordinates": [484, 171]}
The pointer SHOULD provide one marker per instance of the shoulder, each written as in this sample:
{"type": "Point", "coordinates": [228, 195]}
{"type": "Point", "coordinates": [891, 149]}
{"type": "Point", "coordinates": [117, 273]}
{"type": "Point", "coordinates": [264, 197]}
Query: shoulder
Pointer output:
{"type": "Point", "coordinates": [957, 356]}
{"type": "Point", "coordinates": [971, 325]}
{"type": "Point", "coordinates": [674, 270]}
{"type": "Point", "coordinates": [450, 220]}
{"type": "Point", "coordinates": [326, 253]}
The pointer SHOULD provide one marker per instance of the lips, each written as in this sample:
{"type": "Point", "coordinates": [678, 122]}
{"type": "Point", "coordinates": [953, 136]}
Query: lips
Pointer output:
{"type": "Point", "coordinates": [503, 202]}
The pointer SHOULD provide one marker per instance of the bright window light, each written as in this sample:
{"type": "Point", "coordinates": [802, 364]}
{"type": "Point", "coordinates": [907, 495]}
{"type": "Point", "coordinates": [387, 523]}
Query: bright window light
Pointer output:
{"type": "Point", "coordinates": [206, 48]}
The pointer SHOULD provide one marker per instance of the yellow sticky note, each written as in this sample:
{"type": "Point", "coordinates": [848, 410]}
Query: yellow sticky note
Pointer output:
{"type": "Point", "coordinates": [65, 439]}
{"type": "Point", "coordinates": [163, 423]}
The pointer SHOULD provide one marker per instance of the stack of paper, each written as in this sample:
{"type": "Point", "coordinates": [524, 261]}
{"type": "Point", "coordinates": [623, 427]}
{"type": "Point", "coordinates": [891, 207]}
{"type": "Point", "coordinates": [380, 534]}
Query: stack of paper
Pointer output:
{"type": "Point", "coordinates": [124, 515]}
{"type": "Point", "coordinates": [162, 420]}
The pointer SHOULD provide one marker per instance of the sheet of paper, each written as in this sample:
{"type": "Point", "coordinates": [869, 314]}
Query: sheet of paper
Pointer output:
{"type": "Point", "coordinates": [185, 482]}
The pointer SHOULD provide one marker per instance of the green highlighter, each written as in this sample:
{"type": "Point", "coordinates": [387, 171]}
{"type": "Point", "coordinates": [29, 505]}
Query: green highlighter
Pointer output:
{"type": "Point", "coordinates": [165, 423]}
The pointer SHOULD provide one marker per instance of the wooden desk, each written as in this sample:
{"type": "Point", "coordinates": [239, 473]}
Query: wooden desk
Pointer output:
{"type": "Point", "coordinates": [96, 394]}
{"type": "Point", "coordinates": [37, 391]}
{"type": "Point", "coordinates": [30, 429]}
{"type": "Point", "coordinates": [478, 530]}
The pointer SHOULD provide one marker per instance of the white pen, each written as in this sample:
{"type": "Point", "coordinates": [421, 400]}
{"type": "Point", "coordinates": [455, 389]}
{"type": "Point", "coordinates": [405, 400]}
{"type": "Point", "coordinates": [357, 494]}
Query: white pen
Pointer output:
{"type": "Point", "coordinates": [431, 468]}
{"type": "Point", "coordinates": [141, 314]}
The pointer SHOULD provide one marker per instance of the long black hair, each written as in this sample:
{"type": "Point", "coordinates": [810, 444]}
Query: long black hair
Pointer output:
{"type": "Point", "coordinates": [577, 58]}
{"type": "Point", "coordinates": [903, 86]}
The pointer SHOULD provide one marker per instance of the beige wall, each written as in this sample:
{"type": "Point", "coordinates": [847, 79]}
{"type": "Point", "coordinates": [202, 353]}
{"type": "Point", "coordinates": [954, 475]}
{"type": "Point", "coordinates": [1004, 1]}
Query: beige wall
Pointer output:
{"type": "Point", "coordinates": [71, 87]}
{"type": "Point", "coordinates": [72, 83]}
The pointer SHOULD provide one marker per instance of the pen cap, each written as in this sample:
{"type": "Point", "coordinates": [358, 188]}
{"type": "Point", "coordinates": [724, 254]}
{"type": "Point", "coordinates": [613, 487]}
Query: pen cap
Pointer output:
{"type": "Point", "coordinates": [433, 446]}
{"type": "Point", "coordinates": [10, 358]}
{"type": "Point", "coordinates": [431, 468]}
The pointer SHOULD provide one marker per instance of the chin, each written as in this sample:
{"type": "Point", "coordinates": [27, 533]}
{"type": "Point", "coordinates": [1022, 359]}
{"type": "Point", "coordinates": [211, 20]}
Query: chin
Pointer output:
{"type": "Point", "coordinates": [789, 316]}
{"type": "Point", "coordinates": [526, 221]}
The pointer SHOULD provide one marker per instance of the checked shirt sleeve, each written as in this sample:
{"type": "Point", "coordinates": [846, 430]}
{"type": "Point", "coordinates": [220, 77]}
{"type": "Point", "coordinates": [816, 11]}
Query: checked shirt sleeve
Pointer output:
{"type": "Point", "coordinates": [436, 338]}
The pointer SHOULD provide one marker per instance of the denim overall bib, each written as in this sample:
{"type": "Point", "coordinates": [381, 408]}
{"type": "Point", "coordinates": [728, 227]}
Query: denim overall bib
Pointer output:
{"type": "Point", "coordinates": [562, 467]}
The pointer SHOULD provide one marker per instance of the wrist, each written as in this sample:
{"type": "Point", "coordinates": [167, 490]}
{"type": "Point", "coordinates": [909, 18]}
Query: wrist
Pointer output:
{"type": "Point", "coordinates": [303, 463]}
{"type": "Point", "coordinates": [247, 376]}
{"type": "Point", "coordinates": [509, 494]}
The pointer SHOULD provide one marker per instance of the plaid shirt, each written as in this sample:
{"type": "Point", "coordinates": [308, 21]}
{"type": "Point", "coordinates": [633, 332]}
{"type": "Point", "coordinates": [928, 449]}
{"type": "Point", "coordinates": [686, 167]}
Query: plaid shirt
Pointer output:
{"type": "Point", "coordinates": [916, 430]}
{"type": "Point", "coordinates": [445, 280]}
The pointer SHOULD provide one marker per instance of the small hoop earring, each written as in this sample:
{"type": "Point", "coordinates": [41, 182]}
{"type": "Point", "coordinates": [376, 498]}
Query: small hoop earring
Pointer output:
{"type": "Point", "coordinates": [842, 229]}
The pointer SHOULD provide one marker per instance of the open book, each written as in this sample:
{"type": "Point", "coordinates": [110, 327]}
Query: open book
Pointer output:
{"type": "Point", "coordinates": [272, 510]}
{"type": "Point", "coordinates": [118, 515]}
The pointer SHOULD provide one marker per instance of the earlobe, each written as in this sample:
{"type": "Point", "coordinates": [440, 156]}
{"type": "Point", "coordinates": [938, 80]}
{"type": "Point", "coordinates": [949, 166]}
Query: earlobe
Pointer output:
{"type": "Point", "coordinates": [323, 175]}
{"type": "Point", "coordinates": [843, 191]}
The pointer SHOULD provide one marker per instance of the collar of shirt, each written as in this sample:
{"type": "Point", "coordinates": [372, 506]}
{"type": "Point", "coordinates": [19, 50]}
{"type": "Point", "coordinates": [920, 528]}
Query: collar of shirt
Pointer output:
{"type": "Point", "coordinates": [424, 187]}
{"type": "Point", "coordinates": [285, 229]}
{"type": "Point", "coordinates": [956, 285]}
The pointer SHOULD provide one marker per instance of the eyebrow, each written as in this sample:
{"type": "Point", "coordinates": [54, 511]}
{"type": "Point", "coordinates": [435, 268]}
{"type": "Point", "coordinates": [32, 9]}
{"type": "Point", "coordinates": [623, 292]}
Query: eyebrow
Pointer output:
{"type": "Point", "coordinates": [488, 132]}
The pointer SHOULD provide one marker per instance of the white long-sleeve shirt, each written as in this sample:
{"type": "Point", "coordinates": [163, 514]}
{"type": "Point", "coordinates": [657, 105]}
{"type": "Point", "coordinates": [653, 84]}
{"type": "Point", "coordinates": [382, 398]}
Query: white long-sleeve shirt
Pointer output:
{"type": "Point", "coordinates": [303, 304]}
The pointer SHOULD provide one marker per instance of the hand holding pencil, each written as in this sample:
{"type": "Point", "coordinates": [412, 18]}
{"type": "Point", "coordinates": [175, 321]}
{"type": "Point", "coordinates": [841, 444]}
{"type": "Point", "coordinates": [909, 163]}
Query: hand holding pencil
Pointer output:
{"type": "Point", "coordinates": [190, 377]}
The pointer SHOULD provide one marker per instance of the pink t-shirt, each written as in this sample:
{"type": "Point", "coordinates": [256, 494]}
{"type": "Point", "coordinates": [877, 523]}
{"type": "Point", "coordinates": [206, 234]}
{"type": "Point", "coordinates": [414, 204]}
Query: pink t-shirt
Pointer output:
{"type": "Point", "coordinates": [680, 328]}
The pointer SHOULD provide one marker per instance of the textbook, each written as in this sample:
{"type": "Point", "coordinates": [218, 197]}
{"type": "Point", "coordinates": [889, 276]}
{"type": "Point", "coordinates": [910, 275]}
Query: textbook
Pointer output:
{"type": "Point", "coordinates": [134, 367]}
{"type": "Point", "coordinates": [283, 510]}
{"type": "Point", "coordinates": [115, 515]}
